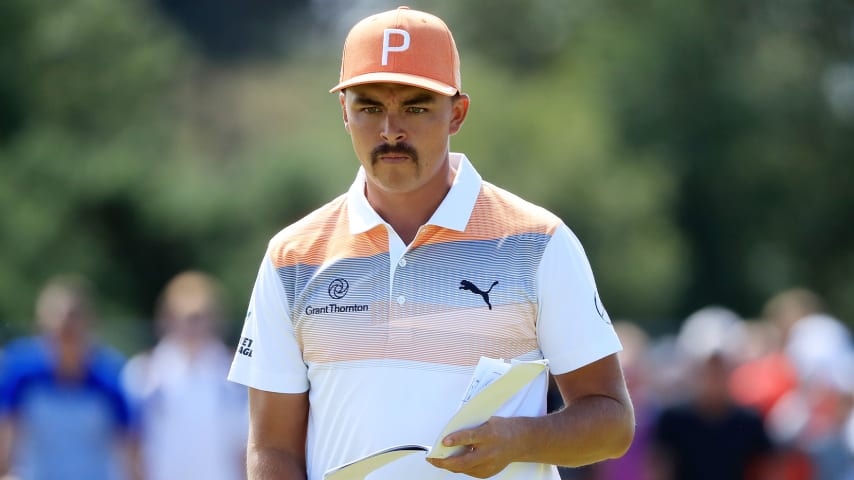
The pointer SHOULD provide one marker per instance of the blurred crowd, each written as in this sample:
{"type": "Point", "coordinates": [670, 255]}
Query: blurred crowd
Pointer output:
{"type": "Point", "coordinates": [724, 398]}
{"type": "Point", "coordinates": [73, 408]}
{"type": "Point", "coordinates": [727, 398]}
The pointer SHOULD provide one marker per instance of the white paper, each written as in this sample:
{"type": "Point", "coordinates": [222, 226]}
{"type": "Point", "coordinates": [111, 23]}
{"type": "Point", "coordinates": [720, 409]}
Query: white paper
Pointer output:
{"type": "Point", "coordinates": [485, 372]}
{"type": "Point", "coordinates": [493, 383]}
{"type": "Point", "coordinates": [359, 469]}
{"type": "Point", "coordinates": [491, 393]}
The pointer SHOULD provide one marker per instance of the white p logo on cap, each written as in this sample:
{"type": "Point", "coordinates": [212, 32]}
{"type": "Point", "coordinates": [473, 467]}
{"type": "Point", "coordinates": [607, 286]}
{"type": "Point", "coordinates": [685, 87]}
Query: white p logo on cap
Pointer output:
{"type": "Point", "coordinates": [387, 33]}
{"type": "Point", "coordinates": [417, 49]}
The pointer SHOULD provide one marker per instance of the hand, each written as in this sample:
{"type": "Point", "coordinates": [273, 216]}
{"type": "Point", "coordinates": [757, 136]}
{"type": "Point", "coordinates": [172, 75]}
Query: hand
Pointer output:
{"type": "Point", "coordinates": [487, 449]}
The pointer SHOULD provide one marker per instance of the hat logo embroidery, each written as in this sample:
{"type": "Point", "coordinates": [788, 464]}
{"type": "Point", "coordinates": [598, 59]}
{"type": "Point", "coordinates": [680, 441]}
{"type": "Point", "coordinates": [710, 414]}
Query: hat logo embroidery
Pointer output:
{"type": "Point", "coordinates": [387, 47]}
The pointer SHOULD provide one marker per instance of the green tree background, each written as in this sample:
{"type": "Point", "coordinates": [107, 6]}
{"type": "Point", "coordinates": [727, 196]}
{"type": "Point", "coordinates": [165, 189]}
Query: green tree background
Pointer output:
{"type": "Point", "coordinates": [702, 151]}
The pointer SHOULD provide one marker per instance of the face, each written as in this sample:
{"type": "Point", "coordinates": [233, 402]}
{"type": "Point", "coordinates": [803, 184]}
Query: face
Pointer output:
{"type": "Point", "coordinates": [713, 380]}
{"type": "Point", "coordinates": [191, 319]}
{"type": "Point", "coordinates": [401, 133]}
{"type": "Point", "coordinates": [65, 318]}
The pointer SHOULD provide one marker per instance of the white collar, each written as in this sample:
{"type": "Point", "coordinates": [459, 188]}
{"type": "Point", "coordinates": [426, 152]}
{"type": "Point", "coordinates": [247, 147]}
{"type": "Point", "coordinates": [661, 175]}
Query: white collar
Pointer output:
{"type": "Point", "coordinates": [453, 213]}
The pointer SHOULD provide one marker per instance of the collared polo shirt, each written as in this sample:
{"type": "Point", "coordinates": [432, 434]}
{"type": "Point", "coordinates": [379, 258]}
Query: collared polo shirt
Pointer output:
{"type": "Point", "coordinates": [384, 336]}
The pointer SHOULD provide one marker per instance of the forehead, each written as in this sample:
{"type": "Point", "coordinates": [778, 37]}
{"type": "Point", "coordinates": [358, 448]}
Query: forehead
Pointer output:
{"type": "Point", "coordinates": [389, 92]}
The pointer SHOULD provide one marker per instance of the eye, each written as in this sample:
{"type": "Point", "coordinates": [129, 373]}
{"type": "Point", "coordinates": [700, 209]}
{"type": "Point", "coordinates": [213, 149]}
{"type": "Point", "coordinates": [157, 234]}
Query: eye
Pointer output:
{"type": "Point", "coordinates": [372, 109]}
{"type": "Point", "coordinates": [416, 110]}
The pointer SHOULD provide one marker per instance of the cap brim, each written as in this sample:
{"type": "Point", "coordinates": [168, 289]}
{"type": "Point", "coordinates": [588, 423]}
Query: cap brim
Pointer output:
{"type": "Point", "coordinates": [402, 78]}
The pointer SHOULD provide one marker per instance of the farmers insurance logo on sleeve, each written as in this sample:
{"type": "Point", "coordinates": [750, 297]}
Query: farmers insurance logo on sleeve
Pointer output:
{"type": "Point", "coordinates": [245, 347]}
{"type": "Point", "coordinates": [337, 290]}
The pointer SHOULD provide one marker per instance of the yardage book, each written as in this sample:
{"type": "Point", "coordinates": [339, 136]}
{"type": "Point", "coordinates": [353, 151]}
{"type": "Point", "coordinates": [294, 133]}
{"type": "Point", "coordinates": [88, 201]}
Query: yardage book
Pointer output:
{"type": "Point", "coordinates": [493, 383]}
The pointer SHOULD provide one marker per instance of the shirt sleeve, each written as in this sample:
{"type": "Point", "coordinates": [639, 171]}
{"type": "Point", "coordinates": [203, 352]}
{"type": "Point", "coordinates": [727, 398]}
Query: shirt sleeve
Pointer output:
{"type": "Point", "coordinates": [573, 327]}
{"type": "Point", "coordinates": [106, 368]}
{"type": "Point", "coordinates": [19, 359]}
{"type": "Point", "coordinates": [268, 355]}
{"type": "Point", "coordinates": [8, 384]}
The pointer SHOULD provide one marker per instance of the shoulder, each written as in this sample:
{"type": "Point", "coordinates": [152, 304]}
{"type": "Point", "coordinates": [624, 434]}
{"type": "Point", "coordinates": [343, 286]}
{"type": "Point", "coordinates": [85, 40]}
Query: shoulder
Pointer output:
{"type": "Point", "coordinates": [136, 374]}
{"type": "Point", "coordinates": [105, 365]}
{"type": "Point", "coordinates": [495, 204]}
{"type": "Point", "coordinates": [23, 357]}
{"type": "Point", "coordinates": [108, 357]}
{"type": "Point", "coordinates": [674, 424]}
{"type": "Point", "coordinates": [313, 223]}
{"type": "Point", "coordinates": [29, 347]}
{"type": "Point", "coordinates": [23, 362]}
{"type": "Point", "coordinates": [679, 414]}
{"type": "Point", "coordinates": [303, 237]}
{"type": "Point", "coordinates": [747, 416]}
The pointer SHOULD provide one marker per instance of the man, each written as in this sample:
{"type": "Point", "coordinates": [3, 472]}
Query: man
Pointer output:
{"type": "Point", "coordinates": [706, 435]}
{"type": "Point", "coordinates": [63, 413]}
{"type": "Point", "coordinates": [369, 315]}
{"type": "Point", "coordinates": [193, 422]}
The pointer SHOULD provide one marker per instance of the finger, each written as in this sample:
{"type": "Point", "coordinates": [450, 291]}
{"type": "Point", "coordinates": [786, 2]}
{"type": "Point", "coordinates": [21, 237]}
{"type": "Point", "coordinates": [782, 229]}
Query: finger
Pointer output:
{"type": "Point", "coordinates": [461, 461]}
{"type": "Point", "coordinates": [469, 463]}
{"type": "Point", "coordinates": [469, 436]}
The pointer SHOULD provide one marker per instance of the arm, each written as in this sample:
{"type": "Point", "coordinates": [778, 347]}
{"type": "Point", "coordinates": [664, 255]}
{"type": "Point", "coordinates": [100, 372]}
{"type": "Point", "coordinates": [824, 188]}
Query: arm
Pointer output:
{"type": "Point", "coordinates": [133, 456]}
{"type": "Point", "coordinates": [597, 423]}
{"type": "Point", "coordinates": [7, 436]}
{"type": "Point", "coordinates": [277, 428]}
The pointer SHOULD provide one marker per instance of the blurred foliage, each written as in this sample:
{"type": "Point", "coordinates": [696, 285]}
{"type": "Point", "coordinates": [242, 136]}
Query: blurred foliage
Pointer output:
{"type": "Point", "coordinates": [701, 151]}
{"type": "Point", "coordinates": [229, 31]}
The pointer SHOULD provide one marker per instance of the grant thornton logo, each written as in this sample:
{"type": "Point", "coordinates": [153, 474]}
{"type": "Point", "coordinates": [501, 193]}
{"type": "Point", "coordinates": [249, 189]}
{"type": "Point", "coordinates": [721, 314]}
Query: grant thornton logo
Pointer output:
{"type": "Point", "coordinates": [338, 288]}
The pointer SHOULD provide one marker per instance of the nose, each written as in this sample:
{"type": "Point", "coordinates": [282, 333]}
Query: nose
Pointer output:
{"type": "Point", "coordinates": [392, 131]}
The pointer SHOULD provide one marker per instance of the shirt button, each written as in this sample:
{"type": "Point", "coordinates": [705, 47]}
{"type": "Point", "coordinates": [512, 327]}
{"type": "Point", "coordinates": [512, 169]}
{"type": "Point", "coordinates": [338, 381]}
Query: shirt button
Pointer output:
{"type": "Point", "coordinates": [402, 262]}
{"type": "Point", "coordinates": [401, 300]}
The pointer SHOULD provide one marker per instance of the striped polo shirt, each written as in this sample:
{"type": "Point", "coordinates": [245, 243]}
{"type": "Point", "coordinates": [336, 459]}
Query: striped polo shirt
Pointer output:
{"type": "Point", "coordinates": [384, 336]}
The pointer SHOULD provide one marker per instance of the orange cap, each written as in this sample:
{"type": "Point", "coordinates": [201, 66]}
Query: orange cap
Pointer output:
{"type": "Point", "coordinates": [401, 46]}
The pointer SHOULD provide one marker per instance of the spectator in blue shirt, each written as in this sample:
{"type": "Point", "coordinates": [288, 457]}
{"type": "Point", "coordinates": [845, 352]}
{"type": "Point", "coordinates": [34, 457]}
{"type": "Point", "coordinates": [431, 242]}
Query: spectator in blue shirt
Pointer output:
{"type": "Point", "coordinates": [63, 413]}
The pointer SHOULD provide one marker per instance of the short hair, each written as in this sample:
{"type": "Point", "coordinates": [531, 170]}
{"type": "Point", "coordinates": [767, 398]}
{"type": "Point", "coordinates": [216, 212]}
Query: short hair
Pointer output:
{"type": "Point", "coordinates": [791, 305]}
{"type": "Point", "coordinates": [66, 286]}
{"type": "Point", "coordinates": [194, 288]}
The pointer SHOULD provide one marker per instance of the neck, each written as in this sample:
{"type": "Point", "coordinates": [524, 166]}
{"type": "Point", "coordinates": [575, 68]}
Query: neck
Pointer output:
{"type": "Point", "coordinates": [406, 212]}
{"type": "Point", "coordinates": [70, 359]}
{"type": "Point", "coordinates": [192, 346]}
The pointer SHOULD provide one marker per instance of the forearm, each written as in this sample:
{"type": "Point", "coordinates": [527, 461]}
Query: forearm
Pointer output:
{"type": "Point", "coordinates": [589, 430]}
{"type": "Point", "coordinates": [133, 456]}
{"type": "Point", "coordinates": [272, 464]}
{"type": "Point", "coordinates": [7, 434]}
{"type": "Point", "coordinates": [276, 446]}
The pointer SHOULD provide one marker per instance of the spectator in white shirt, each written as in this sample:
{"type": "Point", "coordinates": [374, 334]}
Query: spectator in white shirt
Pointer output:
{"type": "Point", "coordinates": [194, 421]}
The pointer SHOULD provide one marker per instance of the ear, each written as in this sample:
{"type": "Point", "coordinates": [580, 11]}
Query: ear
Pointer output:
{"type": "Point", "coordinates": [342, 98]}
{"type": "Point", "coordinates": [460, 109]}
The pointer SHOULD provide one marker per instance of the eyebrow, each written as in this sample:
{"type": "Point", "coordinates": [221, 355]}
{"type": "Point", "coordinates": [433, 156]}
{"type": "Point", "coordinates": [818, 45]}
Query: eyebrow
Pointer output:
{"type": "Point", "coordinates": [419, 99]}
{"type": "Point", "coordinates": [363, 100]}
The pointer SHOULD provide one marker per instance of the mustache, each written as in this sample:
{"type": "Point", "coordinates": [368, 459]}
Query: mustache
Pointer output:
{"type": "Point", "coordinates": [401, 148]}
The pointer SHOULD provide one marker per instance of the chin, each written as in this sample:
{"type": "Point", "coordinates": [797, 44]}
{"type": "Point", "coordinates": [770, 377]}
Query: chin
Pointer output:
{"type": "Point", "coordinates": [395, 183]}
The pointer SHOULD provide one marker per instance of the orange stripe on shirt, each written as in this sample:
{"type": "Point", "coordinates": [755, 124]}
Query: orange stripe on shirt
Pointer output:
{"type": "Point", "coordinates": [508, 332]}
{"type": "Point", "coordinates": [496, 214]}
{"type": "Point", "coordinates": [323, 236]}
